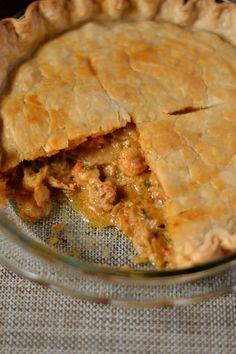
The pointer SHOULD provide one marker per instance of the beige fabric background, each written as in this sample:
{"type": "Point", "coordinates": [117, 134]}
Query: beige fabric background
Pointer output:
{"type": "Point", "coordinates": [36, 320]}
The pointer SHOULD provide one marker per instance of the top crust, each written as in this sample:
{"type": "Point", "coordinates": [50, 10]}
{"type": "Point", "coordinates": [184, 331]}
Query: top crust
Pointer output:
{"type": "Point", "coordinates": [46, 19]}
{"type": "Point", "coordinates": [157, 74]}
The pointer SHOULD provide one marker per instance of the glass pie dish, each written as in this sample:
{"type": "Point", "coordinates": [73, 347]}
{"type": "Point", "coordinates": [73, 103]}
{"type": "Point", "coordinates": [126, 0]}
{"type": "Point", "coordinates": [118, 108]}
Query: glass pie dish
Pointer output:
{"type": "Point", "coordinates": [65, 253]}
{"type": "Point", "coordinates": [96, 264]}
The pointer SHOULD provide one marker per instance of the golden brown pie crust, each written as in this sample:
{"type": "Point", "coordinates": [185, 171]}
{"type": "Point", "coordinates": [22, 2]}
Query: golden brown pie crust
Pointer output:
{"type": "Point", "coordinates": [177, 83]}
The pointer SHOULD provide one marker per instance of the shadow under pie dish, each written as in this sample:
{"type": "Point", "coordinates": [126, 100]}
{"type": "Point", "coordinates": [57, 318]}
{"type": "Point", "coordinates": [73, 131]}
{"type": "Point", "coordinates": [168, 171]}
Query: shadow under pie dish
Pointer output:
{"type": "Point", "coordinates": [129, 107]}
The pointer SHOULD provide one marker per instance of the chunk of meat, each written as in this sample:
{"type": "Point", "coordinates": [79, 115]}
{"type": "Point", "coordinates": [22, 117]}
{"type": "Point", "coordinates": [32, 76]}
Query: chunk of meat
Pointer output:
{"type": "Point", "coordinates": [35, 182]}
{"type": "Point", "coordinates": [55, 183]}
{"type": "Point", "coordinates": [41, 195]}
{"type": "Point", "coordinates": [148, 240]}
{"type": "Point", "coordinates": [84, 174]}
{"type": "Point", "coordinates": [103, 195]}
{"type": "Point", "coordinates": [60, 173]}
{"type": "Point", "coordinates": [129, 221]}
{"type": "Point", "coordinates": [29, 210]}
{"type": "Point", "coordinates": [131, 162]}
{"type": "Point", "coordinates": [32, 179]}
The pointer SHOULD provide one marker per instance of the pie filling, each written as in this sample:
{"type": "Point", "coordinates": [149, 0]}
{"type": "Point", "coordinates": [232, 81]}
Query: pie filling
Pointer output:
{"type": "Point", "coordinates": [109, 182]}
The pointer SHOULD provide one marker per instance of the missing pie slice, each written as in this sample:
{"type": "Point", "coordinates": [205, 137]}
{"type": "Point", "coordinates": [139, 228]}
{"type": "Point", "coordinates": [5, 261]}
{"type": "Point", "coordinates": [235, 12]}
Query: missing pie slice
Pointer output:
{"type": "Point", "coordinates": [129, 107]}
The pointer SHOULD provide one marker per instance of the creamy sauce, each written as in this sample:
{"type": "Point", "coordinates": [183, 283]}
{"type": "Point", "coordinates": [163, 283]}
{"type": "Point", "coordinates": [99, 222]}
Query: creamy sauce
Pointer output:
{"type": "Point", "coordinates": [138, 210]}
{"type": "Point", "coordinates": [109, 182]}
{"type": "Point", "coordinates": [80, 203]}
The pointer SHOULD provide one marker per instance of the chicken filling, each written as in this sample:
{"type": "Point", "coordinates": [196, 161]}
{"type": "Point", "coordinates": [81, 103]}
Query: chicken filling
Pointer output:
{"type": "Point", "coordinates": [108, 181]}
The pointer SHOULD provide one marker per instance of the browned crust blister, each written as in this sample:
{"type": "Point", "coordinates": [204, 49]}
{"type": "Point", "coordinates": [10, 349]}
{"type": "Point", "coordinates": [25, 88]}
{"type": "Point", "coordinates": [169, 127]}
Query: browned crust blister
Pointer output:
{"type": "Point", "coordinates": [48, 18]}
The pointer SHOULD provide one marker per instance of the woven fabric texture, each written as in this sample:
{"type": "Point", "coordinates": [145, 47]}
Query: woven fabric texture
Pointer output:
{"type": "Point", "coordinates": [37, 320]}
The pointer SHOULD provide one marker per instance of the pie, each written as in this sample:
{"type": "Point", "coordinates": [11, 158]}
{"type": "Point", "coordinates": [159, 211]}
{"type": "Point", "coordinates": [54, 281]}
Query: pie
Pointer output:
{"type": "Point", "coordinates": [129, 107]}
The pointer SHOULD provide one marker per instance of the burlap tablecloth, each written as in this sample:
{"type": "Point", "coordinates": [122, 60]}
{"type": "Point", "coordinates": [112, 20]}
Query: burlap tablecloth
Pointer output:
{"type": "Point", "coordinates": [37, 320]}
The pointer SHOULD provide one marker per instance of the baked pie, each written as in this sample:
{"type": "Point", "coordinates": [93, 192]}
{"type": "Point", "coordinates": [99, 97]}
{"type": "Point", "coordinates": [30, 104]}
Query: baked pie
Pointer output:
{"type": "Point", "coordinates": [129, 107]}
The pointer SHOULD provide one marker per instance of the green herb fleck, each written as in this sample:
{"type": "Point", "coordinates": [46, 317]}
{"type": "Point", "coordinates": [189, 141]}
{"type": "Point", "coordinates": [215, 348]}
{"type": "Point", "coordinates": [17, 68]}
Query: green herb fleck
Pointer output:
{"type": "Point", "coordinates": [147, 183]}
{"type": "Point", "coordinates": [117, 172]}
{"type": "Point", "coordinates": [87, 167]}
{"type": "Point", "coordinates": [168, 240]}
{"type": "Point", "coordinates": [158, 232]}
{"type": "Point", "coordinates": [144, 213]}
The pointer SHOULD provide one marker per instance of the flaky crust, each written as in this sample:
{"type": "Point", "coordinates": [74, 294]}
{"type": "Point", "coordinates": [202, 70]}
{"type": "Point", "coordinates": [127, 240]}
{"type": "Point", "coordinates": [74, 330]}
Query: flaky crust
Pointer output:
{"type": "Point", "coordinates": [47, 18]}
{"type": "Point", "coordinates": [179, 101]}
